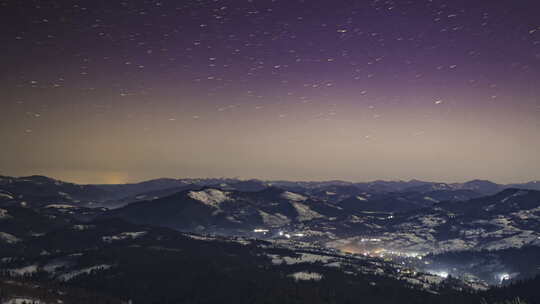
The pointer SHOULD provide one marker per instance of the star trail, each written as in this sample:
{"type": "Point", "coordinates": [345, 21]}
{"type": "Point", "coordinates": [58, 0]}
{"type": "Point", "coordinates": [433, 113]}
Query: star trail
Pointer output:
{"type": "Point", "coordinates": [118, 91]}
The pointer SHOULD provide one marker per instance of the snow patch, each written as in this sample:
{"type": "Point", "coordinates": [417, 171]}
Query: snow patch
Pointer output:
{"type": "Point", "coordinates": [306, 276]}
{"type": "Point", "coordinates": [83, 227]}
{"type": "Point", "coordinates": [3, 213]}
{"type": "Point", "coordinates": [519, 193]}
{"type": "Point", "coordinates": [52, 266]}
{"type": "Point", "coordinates": [295, 197]}
{"type": "Point", "coordinates": [211, 197]}
{"type": "Point", "coordinates": [70, 275]}
{"type": "Point", "coordinates": [431, 221]}
{"type": "Point", "coordinates": [60, 206]}
{"type": "Point", "coordinates": [24, 270]}
{"type": "Point", "coordinates": [303, 258]}
{"type": "Point", "coordinates": [5, 195]}
{"type": "Point", "coordinates": [23, 300]}
{"type": "Point", "coordinates": [305, 213]}
{"type": "Point", "coordinates": [274, 220]}
{"type": "Point", "coordinates": [333, 264]}
{"type": "Point", "coordinates": [431, 199]}
{"type": "Point", "coordinates": [455, 245]}
{"type": "Point", "coordinates": [124, 236]}
{"type": "Point", "coordinates": [8, 238]}
{"type": "Point", "coordinates": [200, 237]}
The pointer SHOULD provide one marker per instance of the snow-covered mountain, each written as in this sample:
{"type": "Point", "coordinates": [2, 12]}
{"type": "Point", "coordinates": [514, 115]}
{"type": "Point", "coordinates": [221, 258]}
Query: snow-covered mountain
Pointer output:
{"type": "Point", "coordinates": [41, 190]}
{"type": "Point", "coordinates": [211, 210]}
{"type": "Point", "coordinates": [403, 222]}
{"type": "Point", "coordinates": [509, 219]}
{"type": "Point", "coordinates": [385, 234]}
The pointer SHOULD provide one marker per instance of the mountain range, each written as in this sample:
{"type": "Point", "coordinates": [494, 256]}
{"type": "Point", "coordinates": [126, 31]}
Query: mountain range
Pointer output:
{"type": "Point", "coordinates": [422, 239]}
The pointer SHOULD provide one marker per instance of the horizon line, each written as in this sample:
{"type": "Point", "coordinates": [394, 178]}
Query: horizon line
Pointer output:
{"type": "Point", "coordinates": [275, 180]}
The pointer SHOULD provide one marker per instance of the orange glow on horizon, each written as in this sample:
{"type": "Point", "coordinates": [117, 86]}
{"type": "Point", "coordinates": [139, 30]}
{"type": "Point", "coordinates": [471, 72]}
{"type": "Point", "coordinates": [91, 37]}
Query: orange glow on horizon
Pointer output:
{"type": "Point", "coordinates": [88, 177]}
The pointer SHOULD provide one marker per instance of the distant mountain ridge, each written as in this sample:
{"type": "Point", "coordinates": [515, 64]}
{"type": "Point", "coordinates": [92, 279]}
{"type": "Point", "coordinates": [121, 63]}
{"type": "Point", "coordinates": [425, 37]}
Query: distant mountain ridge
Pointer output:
{"type": "Point", "coordinates": [50, 190]}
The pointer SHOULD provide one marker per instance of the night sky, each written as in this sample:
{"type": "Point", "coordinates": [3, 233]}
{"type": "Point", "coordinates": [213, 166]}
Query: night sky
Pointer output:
{"type": "Point", "coordinates": [116, 91]}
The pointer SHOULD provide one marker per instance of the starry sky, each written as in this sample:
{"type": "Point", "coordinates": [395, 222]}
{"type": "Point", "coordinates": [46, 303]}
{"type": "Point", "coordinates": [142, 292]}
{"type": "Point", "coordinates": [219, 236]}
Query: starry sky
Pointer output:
{"type": "Point", "coordinates": [109, 91]}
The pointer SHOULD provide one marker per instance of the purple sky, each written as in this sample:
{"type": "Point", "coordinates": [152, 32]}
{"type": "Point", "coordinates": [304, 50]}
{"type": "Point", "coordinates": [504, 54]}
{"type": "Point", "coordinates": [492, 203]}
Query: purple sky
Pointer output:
{"type": "Point", "coordinates": [112, 91]}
